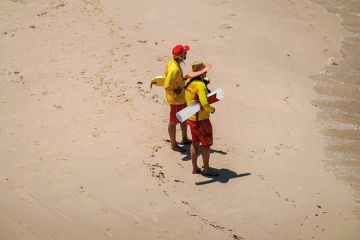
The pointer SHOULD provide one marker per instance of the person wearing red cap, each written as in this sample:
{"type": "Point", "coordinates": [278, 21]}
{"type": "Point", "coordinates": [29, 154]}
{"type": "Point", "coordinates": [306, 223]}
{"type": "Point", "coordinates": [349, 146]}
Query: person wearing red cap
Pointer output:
{"type": "Point", "coordinates": [175, 96]}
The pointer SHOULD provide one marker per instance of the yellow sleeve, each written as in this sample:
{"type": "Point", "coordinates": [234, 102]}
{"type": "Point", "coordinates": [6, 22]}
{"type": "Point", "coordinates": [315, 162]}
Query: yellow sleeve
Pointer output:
{"type": "Point", "coordinates": [202, 93]}
{"type": "Point", "coordinates": [171, 74]}
{"type": "Point", "coordinates": [168, 79]}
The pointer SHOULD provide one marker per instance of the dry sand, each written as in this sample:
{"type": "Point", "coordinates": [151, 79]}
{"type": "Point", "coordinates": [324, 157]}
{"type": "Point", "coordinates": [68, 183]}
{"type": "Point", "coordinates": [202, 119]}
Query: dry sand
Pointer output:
{"type": "Point", "coordinates": [83, 150]}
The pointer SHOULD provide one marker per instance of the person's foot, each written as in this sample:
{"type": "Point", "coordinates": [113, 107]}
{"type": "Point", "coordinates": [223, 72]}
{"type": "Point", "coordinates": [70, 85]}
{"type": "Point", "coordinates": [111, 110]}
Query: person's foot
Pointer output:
{"type": "Point", "coordinates": [196, 171]}
{"type": "Point", "coordinates": [177, 148]}
{"type": "Point", "coordinates": [209, 172]}
{"type": "Point", "coordinates": [186, 141]}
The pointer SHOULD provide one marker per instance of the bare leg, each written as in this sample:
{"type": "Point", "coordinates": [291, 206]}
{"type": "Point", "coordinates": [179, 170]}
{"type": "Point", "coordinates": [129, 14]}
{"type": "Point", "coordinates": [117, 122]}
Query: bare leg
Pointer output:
{"type": "Point", "coordinates": [185, 138]}
{"type": "Point", "coordinates": [206, 158]}
{"type": "Point", "coordinates": [172, 135]}
{"type": "Point", "coordinates": [193, 153]}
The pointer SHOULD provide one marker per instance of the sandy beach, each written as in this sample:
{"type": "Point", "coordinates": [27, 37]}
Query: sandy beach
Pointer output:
{"type": "Point", "coordinates": [84, 151]}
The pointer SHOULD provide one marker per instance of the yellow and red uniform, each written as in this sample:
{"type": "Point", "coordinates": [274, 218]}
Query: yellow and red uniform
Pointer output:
{"type": "Point", "coordinates": [174, 88]}
{"type": "Point", "coordinates": [174, 80]}
{"type": "Point", "coordinates": [200, 125]}
{"type": "Point", "coordinates": [197, 92]}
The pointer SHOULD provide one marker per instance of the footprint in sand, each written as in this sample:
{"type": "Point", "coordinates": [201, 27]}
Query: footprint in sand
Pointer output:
{"type": "Point", "coordinates": [113, 29]}
{"type": "Point", "coordinates": [16, 77]}
{"type": "Point", "coordinates": [97, 132]}
{"type": "Point", "coordinates": [184, 202]}
{"type": "Point", "coordinates": [112, 52]}
{"type": "Point", "coordinates": [157, 99]}
{"type": "Point", "coordinates": [104, 211]}
{"type": "Point", "coordinates": [141, 91]}
{"type": "Point", "coordinates": [236, 237]}
{"type": "Point", "coordinates": [95, 5]}
{"type": "Point", "coordinates": [58, 107]}
{"type": "Point", "coordinates": [261, 176]}
{"type": "Point", "coordinates": [60, 5]}
{"type": "Point", "coordinates": [137, 27]}
{"type": "Point", "coordinates": [45, 93]}
{"type": "Point", "coordinates": [156, 148]}
{"type": "Point", "coordinates": [41, 14]}
{"type": "Point", "coordinates": [310, 27]}
{"type": "Point", "coordinates": [109, 232]}
{"type": "Point", "coordinates": [226, 26]}
{"type": "Point", "coordinates": [82, 189]}
{"type": "Point", "coordinates": [292, 2]}
{"type": "Point", "coordinates": [281, 148]}
{"type": "Point", "coordinates": [161, 59]}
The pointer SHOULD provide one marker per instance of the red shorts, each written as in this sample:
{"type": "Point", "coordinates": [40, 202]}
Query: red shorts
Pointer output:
{"type": "Point", "coordinates": [203, 133]}
{"type": "Point", "coordinates": [173, 110]}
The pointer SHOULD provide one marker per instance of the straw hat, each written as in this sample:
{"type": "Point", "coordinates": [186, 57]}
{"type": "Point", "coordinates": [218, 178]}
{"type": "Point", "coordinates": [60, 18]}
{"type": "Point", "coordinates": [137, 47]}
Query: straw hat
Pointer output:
{"type": "Point", "coordinates": [199, 68]}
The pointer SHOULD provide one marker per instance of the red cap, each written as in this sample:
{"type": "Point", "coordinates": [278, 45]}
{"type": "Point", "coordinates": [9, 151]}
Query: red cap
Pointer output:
{"type": "Point", "coordinates": [178, 49]}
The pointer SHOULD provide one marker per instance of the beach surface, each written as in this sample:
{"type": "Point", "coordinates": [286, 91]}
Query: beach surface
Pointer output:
{"type": "Point", "coordinates": [84, 151]}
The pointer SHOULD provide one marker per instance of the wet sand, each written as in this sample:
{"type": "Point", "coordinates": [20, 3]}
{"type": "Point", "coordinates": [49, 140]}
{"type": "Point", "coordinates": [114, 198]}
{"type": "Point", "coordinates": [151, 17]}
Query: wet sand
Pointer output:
{"type": "Point", "coordinates": [338, 86]}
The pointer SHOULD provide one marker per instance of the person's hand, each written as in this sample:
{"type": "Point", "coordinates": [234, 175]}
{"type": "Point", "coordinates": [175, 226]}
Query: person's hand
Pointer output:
{"type": "Point", "coordinates": [177, 91]}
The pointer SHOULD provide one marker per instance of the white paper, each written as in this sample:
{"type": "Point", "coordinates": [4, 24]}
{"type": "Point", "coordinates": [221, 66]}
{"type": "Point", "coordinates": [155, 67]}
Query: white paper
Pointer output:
{"type": "Point", "coordinates": [187, 112]}
{"type": "Point", "coordinates": [191, 110]}
{"type": "Point", "coordinates": [219, 93]}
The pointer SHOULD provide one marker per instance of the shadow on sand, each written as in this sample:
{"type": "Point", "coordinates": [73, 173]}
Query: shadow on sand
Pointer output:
{"type": "Point", "coordinates": [224, 176]}
{"type": "Point", "coordinates": [187, 156]}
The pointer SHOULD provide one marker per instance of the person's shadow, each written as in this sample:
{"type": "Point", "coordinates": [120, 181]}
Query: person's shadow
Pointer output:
{"type": "Point", "coordinates": [187, 156]}
{"type": "Point", "coordinates": [224, 176]}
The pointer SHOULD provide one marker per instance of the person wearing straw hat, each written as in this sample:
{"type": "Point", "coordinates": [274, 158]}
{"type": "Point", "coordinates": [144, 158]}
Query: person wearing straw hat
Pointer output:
{"type": "Point", "coordinates": [201, 129]}
{"type": "Point", "coordinates": [175, 96]}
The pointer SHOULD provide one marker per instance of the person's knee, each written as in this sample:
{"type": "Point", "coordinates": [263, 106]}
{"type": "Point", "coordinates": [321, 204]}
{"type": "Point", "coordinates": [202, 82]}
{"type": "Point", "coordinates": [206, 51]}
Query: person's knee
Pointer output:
{"type": "Point", "coordinates": [195, 144]}
{"type": "Point", "coordinates": [206, 148]}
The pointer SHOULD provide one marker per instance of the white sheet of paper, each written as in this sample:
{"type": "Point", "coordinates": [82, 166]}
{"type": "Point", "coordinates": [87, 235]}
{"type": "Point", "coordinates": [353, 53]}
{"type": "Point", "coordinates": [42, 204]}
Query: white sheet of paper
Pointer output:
{"type": "Point", "coordinates": [191, 110]}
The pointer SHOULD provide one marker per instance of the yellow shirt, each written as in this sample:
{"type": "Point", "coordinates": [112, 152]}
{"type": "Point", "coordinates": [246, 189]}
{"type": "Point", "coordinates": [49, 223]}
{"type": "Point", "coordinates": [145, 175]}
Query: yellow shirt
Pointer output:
{"type": "Point", "coordinates": [173, 81]}
{"type": "Point", "coordinates": [197, 92]}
